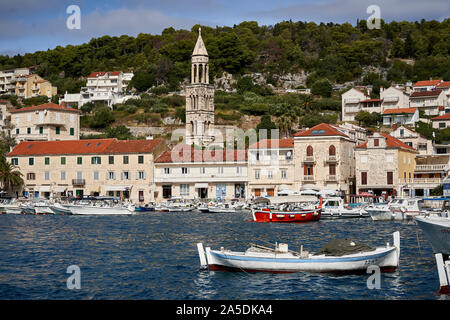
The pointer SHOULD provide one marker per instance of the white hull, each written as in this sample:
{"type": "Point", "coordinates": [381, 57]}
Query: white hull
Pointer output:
{"type": "Point", "coordinates": [343, 213]}
{"type": "Point", "coordinates": [8, 209]}
{"type": "Point", "coordinates": [437, 231]}
{"type": "Point", "coordinates": [181, 209]}
{"type": "Point", "coordinates": [388, 215]}
{"type": "Point", "coordinates": [93, 210]}
{"type": "Point", "coordinates": [43, 210]}
{"type": "Point", "coordinates": [386, 258]}
{"type": "Point", "coordinates": [222, 210]}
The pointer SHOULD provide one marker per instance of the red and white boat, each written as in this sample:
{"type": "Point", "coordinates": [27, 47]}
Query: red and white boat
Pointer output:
{"type": "Point", "coordinates": [289, 213]}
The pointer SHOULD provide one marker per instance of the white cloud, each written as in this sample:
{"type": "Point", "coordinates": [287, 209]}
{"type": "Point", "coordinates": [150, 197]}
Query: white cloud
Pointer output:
{"type": "Point", "coordinates": [340, 11]}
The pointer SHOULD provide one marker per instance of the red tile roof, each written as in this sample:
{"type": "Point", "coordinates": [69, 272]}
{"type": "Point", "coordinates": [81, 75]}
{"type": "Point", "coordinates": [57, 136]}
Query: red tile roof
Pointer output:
{"type": "Point", "coordinates": [187, 154]}
{"type": "Point", "coordinates": [133, 146]}
{"type": "Point", "coordinates": [322, 129]}
{"type": "Point", "coordinates": [89, 146]}
{"type": "Point", "coordinates": [277, 143]}
{"type": "Point", "coordinates": [426, 83]}
{"type": "Point", "coordinates": [391, 142]}
{"type": "Point", "coordinates": [442, 117]}
{"type": "Point", "coordinates": [102, 73]}
{"type": "Point", "coordinates": [425, 93]}
{"type": "Point", "coordinates": [399, 111]}
{"type": "Point", "coordinates": [46, 106]}
{"type": "Point", "coordinates": [444, 84]}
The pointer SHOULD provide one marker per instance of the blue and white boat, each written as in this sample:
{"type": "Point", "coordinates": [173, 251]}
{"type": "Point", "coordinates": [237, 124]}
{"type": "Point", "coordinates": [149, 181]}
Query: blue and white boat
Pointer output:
{"type": "Point", "coordinates": [281, 260]}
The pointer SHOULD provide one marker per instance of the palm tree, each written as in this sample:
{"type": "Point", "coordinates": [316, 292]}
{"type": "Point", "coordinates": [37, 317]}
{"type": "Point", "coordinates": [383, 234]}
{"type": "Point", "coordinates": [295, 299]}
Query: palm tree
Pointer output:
{"type": "Point", "coordinates": [285, 123]}
{"type": "Point", "coordinates": [10, 178]}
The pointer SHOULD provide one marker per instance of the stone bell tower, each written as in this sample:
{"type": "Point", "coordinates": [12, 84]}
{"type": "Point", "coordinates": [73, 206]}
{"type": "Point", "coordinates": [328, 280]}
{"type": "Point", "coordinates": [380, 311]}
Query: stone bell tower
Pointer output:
{"type": "Point", "coordinates": [199, 98]}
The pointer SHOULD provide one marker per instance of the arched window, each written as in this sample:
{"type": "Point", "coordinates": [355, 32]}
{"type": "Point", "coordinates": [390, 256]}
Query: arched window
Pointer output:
{"type": "Point", "coordinates": [332, 150]}
{"type": "Point", "coordinates": [309, 151]}
{"type": "Point", "coordinates": [195, 73]}
{"type": "Point", "coordinates": [200, 73]}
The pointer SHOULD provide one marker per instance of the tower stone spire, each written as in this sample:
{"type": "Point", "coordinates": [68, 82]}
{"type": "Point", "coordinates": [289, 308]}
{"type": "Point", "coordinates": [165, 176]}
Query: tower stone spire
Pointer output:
{"type": "Point", "coordinates": [199, 97]}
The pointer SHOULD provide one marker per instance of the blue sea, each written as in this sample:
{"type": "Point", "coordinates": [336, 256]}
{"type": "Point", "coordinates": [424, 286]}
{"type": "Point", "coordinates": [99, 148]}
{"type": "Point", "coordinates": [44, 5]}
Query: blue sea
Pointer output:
{"type": "Point", "coordinates": [154, 256]}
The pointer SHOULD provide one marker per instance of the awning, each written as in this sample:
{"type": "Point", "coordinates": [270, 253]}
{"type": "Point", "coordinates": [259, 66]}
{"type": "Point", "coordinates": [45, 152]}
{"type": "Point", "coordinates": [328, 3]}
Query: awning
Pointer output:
{"type": "Point", "coordinates": [44, 189]}
{"type": "Point", "coordinates": [59, 189]}
{"type": "Point", "coordinates": [117, 188]}
{"type": "Point", "coordinates": [201, 185]}
{"type": "Point", "coordinates": [263, 186]}
{"type": "Point", "coordinates": [284, 187]}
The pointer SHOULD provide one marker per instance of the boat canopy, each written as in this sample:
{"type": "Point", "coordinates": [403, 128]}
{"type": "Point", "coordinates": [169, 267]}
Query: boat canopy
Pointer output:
{"type": "Point", "coordinates": [293, 199]}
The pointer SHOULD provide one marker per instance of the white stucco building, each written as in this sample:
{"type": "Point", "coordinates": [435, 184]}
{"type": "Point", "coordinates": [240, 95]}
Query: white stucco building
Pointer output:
{"type": "Point", "coordinates": [107, 87]}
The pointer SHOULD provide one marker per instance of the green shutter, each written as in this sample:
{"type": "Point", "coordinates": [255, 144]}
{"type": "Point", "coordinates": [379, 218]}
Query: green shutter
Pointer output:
{"type": "Point", "coordinates": [111, 159]}
{"type": "Point", "coordinates": [72, 131]}
{"type": "Point", "coordinates": [58, 129]}
{"type": "Point", "coordinates": [31, 161]}
{"type": "Point", "coordinates": [140, 159]}
{"type": "Point", "coordinates": [47, 161]}
{"type": "Point", "coordinates": [41, 130]}
{"type": "Point", "coordinates": [79, 160]}
{"type": "Point", "coordinates": [63, 160]}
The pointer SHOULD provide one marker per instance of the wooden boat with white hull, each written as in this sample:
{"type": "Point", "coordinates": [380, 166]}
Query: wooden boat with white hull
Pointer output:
{"type": "Point", "coordinates": [282, 260]}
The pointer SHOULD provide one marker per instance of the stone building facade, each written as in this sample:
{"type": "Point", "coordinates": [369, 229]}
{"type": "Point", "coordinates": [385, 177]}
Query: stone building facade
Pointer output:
{"type": "Point", "coordinates": [201, 174]}
{"type": "Point", "coordinates": [271, 167]}
{"type": "Point", "coordinates": [384, 164]}
{"type": "Point", "coordinates": [98, 167]}
{"type": "Point", "coordinates": [324, 159]}
{"type": "Point", "coordinates": [47, 121]}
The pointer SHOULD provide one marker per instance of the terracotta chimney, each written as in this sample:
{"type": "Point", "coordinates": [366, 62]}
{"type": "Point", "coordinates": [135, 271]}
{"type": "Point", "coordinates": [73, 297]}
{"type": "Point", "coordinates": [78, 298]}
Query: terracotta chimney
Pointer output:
{"type": "Point", "coordinates": [63, 105]}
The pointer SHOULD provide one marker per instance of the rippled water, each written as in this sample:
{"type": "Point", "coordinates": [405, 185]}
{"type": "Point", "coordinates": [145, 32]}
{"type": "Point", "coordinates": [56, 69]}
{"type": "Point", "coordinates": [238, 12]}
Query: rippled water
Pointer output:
{"type": "Point", "coordinates": [154, 256]}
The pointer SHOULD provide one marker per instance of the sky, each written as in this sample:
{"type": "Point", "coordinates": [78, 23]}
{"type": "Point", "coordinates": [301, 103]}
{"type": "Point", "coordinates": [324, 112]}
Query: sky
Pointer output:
{"type": "Point", "coordinates": [33, 25]}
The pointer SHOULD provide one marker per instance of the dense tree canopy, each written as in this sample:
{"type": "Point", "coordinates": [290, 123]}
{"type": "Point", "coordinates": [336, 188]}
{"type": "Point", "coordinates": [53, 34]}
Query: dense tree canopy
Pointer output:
{"type": "Point", "coordinates": [338, 52]}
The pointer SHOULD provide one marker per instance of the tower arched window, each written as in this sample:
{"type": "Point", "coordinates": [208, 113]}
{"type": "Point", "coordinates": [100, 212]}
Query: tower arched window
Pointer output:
{"type": "Point", "coordinates": [195, 73]}
{"type": "Point", "coordinates": [200, 73]}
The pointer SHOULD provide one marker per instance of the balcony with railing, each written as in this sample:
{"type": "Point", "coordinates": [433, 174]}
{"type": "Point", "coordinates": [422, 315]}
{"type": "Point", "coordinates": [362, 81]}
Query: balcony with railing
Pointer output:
{"type": "Point", "coordinates": [331, 159]}
{"type": "Point", "coordinates": [351, 100]}
{"type": "Point", "coordinates": [78, 182]}
{"type": "Point", "coordinates": [29, 137]}
{"type": "Point", "coordinates": [390, 99]}
{"type": "Point", "coordinates": [308, 178]}
{"type": "Point", "coordinates": [309, 159]}
{"type": "Point", "coordinates": [433, 181]}
{"type": "Point", "coordinates": [431, 167]}
{"type": "Point", "coordinates": [352, 109]}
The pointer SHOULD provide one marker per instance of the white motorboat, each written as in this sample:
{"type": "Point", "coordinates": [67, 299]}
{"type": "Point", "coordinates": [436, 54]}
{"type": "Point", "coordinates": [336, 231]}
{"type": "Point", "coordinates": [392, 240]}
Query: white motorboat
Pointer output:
{"type": "Point", "coordinates": [100, 210]}
{"type": "Point", "coordinates": [333, 207]}
{"type": "Point", "coordinates": [42, 207]}
{"type": "Point", "coordinates": [178, 204]}
{"type": "Point", "coordinates": [397, 209]}
{"type": "Point", "coordinates": [225, 207]}
{"type": "Point", "coordinates": [100, 206]}
{"type": "Point", "coordinates": [379, 211]}
{"type": "Point", "coordinates": [437, 231]}
{"type": "Point", "coordinates": [57, 208]}
{"type": "Point", "coordinates": [280, 259]}
{"type": "Point", "coordinates": [10, 207]}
